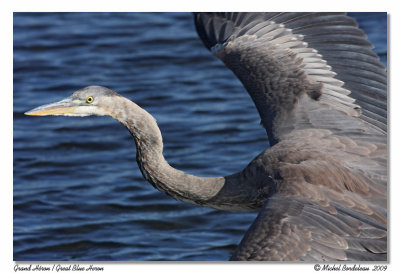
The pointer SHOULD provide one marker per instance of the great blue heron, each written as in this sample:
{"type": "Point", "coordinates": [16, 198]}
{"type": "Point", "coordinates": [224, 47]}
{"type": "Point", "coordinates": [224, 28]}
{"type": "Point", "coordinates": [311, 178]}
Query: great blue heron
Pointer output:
{"type": "Point", "coordinates": [321, 94]}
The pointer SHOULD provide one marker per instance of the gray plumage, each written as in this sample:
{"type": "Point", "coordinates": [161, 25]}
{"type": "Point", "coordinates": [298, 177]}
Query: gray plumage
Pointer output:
{"type": "Point", "coordinates": [321, 95]}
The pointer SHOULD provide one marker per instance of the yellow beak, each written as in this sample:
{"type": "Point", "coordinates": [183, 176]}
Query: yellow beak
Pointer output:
{"type": "Point", "coordinates": [64, 107]}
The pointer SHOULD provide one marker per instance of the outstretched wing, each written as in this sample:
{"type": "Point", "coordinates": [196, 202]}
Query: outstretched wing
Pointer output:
{"type": "Point", "coordinates": [279, 57]}
{"type": "Point", "coordinates": [329, 201]}
{"type": "Point", "coordinates": [321, 95]}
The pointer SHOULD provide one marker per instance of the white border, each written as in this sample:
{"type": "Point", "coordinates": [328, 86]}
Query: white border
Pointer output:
{"type": "Point", "coordinates": [6, 165]}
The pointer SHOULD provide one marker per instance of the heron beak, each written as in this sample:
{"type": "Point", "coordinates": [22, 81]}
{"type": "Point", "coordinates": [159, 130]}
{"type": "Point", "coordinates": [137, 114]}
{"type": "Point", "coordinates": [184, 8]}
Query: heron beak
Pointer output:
{"type": "Point", "coordinates": [64, 107]}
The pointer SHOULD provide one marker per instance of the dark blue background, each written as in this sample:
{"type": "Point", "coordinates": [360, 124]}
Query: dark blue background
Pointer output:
{"type": "Point", "coordinates": [78, 193]}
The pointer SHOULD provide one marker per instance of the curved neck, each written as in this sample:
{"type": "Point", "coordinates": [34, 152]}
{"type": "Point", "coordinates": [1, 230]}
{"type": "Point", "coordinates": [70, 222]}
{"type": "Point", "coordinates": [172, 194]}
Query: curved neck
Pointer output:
{"type": "Point", "coordinates": [217, 192]}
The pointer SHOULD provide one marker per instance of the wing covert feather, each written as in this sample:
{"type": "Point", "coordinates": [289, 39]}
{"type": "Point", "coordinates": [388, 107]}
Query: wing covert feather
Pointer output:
{"type": "Point", "coordinates": [329, 204]}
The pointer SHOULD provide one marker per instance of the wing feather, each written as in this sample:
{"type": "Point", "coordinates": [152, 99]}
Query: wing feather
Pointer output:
{"type": "Point", "coordinates": [345, 59]}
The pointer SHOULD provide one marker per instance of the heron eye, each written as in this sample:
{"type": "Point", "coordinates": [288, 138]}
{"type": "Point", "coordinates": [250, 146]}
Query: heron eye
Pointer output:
{"type": "Point", "coordinates": [89, 99]}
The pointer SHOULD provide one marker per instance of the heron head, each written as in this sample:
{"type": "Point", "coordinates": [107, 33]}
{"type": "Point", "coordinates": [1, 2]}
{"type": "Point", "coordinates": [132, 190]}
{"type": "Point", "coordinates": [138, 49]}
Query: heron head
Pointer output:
{"type": "Point", "coordinates": [91, 100]}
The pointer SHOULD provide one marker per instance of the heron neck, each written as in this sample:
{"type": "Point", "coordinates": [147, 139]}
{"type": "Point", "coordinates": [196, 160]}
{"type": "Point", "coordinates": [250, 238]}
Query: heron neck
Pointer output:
{"type": "Point", "coordinates": [228, 193]}
{"type": "Point", "coordinates": [154, 167]}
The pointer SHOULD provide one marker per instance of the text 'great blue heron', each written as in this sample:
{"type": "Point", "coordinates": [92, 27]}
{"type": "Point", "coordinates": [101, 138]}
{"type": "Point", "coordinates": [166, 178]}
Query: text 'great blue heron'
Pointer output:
{"type": "Point", "coordinates": [321, 94]}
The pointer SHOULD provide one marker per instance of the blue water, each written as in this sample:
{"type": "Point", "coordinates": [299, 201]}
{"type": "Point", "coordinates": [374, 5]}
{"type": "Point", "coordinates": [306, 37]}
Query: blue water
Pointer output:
{"type": "Point", "coordinates": [78, 193]}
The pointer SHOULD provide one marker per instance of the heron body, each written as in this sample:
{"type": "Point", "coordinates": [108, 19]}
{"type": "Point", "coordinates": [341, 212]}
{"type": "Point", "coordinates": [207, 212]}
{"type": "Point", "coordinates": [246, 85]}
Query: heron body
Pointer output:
{"type": "Point", "coordinates": [321, 95]}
